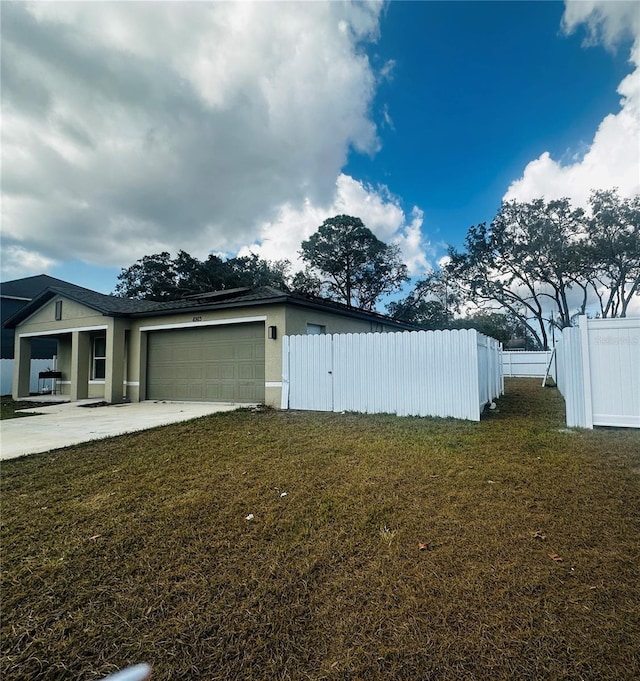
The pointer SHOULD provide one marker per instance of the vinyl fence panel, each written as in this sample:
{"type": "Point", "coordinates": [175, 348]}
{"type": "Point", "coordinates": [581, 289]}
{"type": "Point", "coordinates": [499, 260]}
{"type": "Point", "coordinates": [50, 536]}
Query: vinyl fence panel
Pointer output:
{"type": "Point", "coordinates": [419, 373]}
{"type": "Point", "coordinates": [570, 379]}
{"type": "Point", "coordinates": [599, 372]}
{"type": "Point", "coordinates": [490, 369]}
{"type": "Point", "coordinates": [37, 365]}
{"type": "Point", "coordinates": [523, 364]}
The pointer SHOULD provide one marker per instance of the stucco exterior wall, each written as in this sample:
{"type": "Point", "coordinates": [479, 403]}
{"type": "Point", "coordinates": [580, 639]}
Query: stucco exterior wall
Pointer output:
{"type": "Point", "coordinates": [126, 341]}
{"type": "Point", "coordinates": [73, 315]}
{"type": "Point", "coordinates": [299, 317]}
{"type": "Point", "coordinates": [75, 319]}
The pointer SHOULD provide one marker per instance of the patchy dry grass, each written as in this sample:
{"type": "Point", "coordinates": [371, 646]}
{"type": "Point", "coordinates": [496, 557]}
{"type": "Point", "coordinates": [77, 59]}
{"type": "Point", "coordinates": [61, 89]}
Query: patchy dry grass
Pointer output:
{"type": "Point", "coordinates": [403, 549]}
{"type": "Point", "coordinates": [9, 407]}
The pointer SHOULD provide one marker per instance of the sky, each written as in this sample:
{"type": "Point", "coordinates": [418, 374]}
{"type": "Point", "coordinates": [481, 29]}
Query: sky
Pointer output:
{"type": "Point", "coordinates": [131, 128]}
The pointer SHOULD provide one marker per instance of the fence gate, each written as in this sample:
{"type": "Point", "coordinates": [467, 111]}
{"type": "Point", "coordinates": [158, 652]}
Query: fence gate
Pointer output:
{"type": "Point", "coordinates": [310, 368]}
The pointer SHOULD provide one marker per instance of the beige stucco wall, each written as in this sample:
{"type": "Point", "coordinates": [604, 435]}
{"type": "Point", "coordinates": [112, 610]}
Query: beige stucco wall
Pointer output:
{"type": "Point", "coordinates": [127, 342]}
{"type": "Point", "coordinates": [75, 318]}
{"type": "Point", "coordinates": [73, 315]}
{"type": "Point", "coordinates": [299, 317]}
{"type": "Point", "coordinates": [270, 315]}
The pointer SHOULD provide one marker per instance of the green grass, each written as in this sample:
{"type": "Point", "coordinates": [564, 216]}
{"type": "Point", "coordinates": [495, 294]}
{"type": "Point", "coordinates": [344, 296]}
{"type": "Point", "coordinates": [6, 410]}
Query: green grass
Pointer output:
{"type": "Point", "coordinates": [137, 549]}
{"type": "Point", "coordinates": [9, 407]}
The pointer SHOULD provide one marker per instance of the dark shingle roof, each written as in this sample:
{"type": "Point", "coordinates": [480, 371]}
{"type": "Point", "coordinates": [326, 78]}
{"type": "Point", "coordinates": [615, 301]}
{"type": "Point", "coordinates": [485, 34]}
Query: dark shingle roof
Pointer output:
{"type": "Point", "coordinates": [31, 287]}
{"type": "Point", "coordinates": [115, 306]}
{"type": "Point", "coordinates": [106, 305]}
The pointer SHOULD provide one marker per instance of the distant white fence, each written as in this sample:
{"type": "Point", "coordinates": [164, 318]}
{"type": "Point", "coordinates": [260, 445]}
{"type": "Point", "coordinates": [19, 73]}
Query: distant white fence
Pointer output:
{"type": "Point", "coordinates": [37, 365]}
{"type": "Point", "coordinates": [599, 372]}
{"type": "Point", "coordinates": [522, 364]}
{"type": "Point", "coordinates": [418, 373]}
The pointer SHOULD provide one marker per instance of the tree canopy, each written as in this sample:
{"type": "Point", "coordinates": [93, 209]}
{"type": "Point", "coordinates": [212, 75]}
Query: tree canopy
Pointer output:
{"type": "Point", "coordinates": [541, 262]}
{"type": "Point", "coordinates": [434, 302]}
{"type": "Point", "coordinates": [160, 277]}
{"type": "Point", "coordinates": [348, 263]}
{"type": "Point", "coordinates": [537, 265]}
{"type": "Point", "coordinates": [611, 251]}
{"type": "Point", "coordinates": [431, 304]}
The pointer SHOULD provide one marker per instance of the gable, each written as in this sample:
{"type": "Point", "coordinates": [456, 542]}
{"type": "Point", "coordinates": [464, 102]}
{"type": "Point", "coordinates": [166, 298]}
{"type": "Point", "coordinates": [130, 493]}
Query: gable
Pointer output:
{"type": "Point", "coordinates": [72, 315]}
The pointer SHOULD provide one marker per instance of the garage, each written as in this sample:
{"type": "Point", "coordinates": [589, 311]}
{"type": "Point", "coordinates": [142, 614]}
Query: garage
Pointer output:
{"type": "Point", "coordinates": [207, 364]}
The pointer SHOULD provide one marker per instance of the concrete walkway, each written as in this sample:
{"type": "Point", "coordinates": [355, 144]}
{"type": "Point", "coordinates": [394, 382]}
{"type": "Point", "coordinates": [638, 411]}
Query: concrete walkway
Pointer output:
{"type": "Point", "coordinates": [61, 425]}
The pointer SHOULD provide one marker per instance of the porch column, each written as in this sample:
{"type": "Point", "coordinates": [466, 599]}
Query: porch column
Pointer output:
{"type": "Point", "coordinates": [80, 364]}
{"type": "Point", "coordinates": [21, 367]}
{"type": "Point", "coordinates": [114, 373]}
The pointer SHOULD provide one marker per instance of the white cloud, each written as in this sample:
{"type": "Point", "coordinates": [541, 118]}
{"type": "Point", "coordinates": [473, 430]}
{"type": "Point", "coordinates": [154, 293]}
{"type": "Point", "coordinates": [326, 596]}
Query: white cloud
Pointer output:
{"type": "Point", "coordinates": [606, 22]}
{"type": "Point", "coordinates": [613, 157]}
{"type": "Point", "coordinates": [20, 262]}
{"type": "Point", "coordinates": [378, 209]}
{"type": "Point", "coordinates": [130, 128]}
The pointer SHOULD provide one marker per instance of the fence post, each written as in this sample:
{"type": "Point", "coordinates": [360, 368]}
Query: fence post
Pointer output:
{"type": "Point", "coordinates": [284, 399]}
{"type": "Point", "coordinates": [586, 371]}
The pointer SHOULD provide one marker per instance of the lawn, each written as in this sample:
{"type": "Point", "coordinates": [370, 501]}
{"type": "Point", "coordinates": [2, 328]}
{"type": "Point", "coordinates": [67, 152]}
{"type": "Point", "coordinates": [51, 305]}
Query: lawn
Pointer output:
{"type": "Point", "coordinates": [378, 548]}
{"type": "Point", "coordinates": [9, 407]}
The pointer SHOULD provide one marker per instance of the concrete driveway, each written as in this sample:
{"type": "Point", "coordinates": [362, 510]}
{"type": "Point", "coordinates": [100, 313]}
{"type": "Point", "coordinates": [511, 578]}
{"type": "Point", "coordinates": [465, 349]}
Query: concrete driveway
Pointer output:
{"type": "Point", "coordinates": [61, 425]}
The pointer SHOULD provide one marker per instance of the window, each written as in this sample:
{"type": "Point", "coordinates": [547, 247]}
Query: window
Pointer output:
{"type": "Point", "coordinates": [99, 363]}
{"type": "Point", "coordinates": [58, 310]}
{"type": "Point", "coordinates": [316, 329]}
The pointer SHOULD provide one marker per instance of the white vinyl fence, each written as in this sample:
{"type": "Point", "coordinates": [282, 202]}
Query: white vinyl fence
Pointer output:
{"type": "Point", "coordinates": [524, 363]}
{"type": "Point", "coordinates": [599, 372]}
{"type": "Point", "coordinates": [37, 365]}
{"type": "Point", "coordinates": [419, 373]}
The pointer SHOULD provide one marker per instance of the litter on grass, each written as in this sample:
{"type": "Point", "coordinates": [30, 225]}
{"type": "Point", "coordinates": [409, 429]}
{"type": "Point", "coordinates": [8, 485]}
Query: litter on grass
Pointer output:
{"type": "Point", "coordinates": [249, 517]}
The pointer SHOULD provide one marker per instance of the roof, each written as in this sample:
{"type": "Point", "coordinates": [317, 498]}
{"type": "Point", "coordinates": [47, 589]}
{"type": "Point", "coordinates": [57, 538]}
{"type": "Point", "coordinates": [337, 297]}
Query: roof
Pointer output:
{"type": "Point", "coordinates": [115, 306]}
{"type": "Point", "coordinates": [29, 288]}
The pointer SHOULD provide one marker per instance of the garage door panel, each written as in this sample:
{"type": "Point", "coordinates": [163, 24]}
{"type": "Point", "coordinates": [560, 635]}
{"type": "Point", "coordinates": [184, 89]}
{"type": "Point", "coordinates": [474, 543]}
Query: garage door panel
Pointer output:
{"type": "Point", "coordinates": [221, 363]}
{"type": "Point", "coordinates": [219, 351]}
{"type": "Point", "coordinates": [194, 373]}
{"type": "Point", "coordinates": [246, 373]}
{"type": "Point", "coordinates": [245, 352]}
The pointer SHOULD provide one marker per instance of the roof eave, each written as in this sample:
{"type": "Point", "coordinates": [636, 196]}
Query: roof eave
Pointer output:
{"type": "Point", "coordinates": [44, 297]}
{"type": "Point", "coordinates": [283, 299]}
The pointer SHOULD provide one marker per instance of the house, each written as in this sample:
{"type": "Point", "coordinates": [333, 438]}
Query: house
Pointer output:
{"type": "Point", "coordinates": [221, 346]}
{"type": "Point", "coordinates": [14, 295]}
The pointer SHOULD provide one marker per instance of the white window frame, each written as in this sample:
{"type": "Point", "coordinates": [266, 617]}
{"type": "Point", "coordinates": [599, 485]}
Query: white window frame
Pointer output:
{"type": "Point", "coordinates": [97, 358]}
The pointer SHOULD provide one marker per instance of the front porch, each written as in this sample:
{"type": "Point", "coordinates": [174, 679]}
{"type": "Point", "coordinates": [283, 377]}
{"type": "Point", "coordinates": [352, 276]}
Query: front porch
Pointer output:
{"type": "Point", "coordinates": [91, 363]}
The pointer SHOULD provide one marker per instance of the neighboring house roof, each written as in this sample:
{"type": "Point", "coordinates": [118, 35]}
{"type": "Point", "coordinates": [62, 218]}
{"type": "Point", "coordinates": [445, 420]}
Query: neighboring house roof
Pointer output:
{"type": "Point", "coordinates": [114, 306]}
{"type": "Point", "coordinates": [29, 288]}
{"type": "Point", "coordinates": [15, 295]}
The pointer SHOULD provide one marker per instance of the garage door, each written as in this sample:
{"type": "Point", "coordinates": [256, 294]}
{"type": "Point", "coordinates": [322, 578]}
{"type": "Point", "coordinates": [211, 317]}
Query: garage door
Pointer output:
{"type": "Point", "coordinates": [207, 364]}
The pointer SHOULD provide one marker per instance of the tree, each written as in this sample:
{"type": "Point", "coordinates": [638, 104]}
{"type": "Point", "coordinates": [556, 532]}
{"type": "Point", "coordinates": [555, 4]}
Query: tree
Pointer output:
{"type": "Point", "coordinates": [612, 250]}
{"type": "Point", "coordinates": [153, 277]}
{"type": "Point", "coordinates": [254, 271]}
{"type": "Point", "coordinates": [158, 277]}
{"type": "Point", "coordinates": [355, 267]}
{"type": "Point", "coordinates": [425, 307]}
{"type": "Point", "coordinates": [307, 284]}
{"type": "Point", "coordinates": [528, 262]}
{"type": "Point", "coordinates": [502, 327]}
{"type": "Point", "coordinates": [431, 304]}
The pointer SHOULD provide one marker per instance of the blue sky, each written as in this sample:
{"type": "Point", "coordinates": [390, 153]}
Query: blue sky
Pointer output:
{"type": "Point", "coordinates": [479, 90]}
{"type": "Point", "coordinates": [227, 127]}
